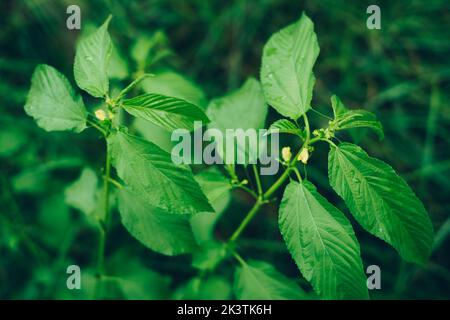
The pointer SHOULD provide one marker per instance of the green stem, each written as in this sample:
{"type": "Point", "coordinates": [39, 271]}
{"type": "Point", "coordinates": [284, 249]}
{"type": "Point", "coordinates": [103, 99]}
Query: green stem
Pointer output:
{"type": "Point", "coordinates": [116, 183]}
{"type": "Point", "coordinates": [132, 85]}
{"type": "Point", "coordinates": [258, 180]}
{"type": "Point", "coordinates": [314, 140]}
{"type": "Point", "coordinates": [93, 124]}
{"type": "Point", "coordinates": [297, 173]}
{"type": "Point", "coordinates": [104, 223]}
{"type": "Point", "coordinates": [231, 172]}
{"type": "Point", "coordinates": [308, 131]}
{"type": "Point", "coordinates": [330, 142]}
{"type": "Point", "coordinates": [279, 182]}
{"type": "Point", "coordinates": [239, 258]}
{"type": "Point", "coordinates": [283, 177]}
{"type": "Point", "coordinates": [263, 199]}
{"type": "Point", "coordinates": [106, 180]}
{"type": "Point", "coordinates": [321, 114]}
{"type": "Point", "coordinates": [265, 196]}
{"type": "Point", "coordinates": [253, 211]}
{"type": "Point", "coordinates": [240, 186]}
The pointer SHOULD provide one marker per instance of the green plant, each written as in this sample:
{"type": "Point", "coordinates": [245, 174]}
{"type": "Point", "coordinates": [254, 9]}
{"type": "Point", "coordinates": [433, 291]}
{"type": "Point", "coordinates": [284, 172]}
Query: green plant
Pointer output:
{"type": "Point", "coordinates": [172, 211]}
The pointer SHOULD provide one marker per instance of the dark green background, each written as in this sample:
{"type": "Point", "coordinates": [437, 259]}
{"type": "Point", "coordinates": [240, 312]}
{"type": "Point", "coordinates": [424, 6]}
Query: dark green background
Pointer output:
{"type": "Point", "coordinates": [400, 72]}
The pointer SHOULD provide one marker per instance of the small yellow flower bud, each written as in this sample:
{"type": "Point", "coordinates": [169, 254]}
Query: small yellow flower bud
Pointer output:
{"type": "Point", "coordinates": [286, 153]}
{"type": "Point", "coordinates": [100, 114]}
{"type": "Point", "coordinates": [110, 115]}
{"type": "Point", "coordinates": [303, 156]}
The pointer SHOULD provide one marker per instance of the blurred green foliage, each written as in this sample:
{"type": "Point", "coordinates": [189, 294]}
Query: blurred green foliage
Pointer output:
{"type": "Point", "coordinates": [400, 72]}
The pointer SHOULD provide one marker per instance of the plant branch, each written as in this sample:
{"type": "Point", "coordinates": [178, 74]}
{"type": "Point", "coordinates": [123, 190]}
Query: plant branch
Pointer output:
{"type": "Point", "coordinates": [231, 172]}
{"type": "Point", "coordinates": [297, 173]}
{"type": "Point", "coordinates": [116, 183]}
{"type": "Point", "coordinates": [96, 126]}
{"type": "Point", "coordinates": [104, 223]}
{"type": "Point", "coordinates": [308, 131]}
{"type": "Point", "coordinates": [132, 85]}
{"type": "Point", "coordinates": [321, 114]}
{"type": "Point", "coordinates": [239, 259]}
{"type": "Point", "coordinates": [240, 186]}
{"type": "Point", "coordinates": [258, 180]}
{"type": "Point", "coordinates": [277, 184]}
{"type": "Point", "coordinates": [283, 177]}
{"type": "Point", "coordinates": [253, 211]}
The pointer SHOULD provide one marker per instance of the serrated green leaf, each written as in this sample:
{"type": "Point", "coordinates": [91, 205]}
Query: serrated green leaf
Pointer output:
{"type": "Point", "coordinates": [152, 175]}
{"type": "Point", "coordinates": [52, 102]}
{"type": "Point", "coordinates": [167, 112]}
{"type": "Point", "coordinates": [153, 133]}
{"type": "Point", "coordinates": [348, 119]}
{"type": "Point", "coordinates": [322, 243]}
{"type": "Point", "coordinates": [157, 229]}
{"type": "Point", "coordinates": [243, 109]}
{"type": "Point", "coordinates": [358, 119]}
{"type": "Point", "coordinates": [284, 126]}
{"type": "Point", "coordinates": [91, 61]}
{"type": "Point", "coordinates": [257, 280]}
{"type": "Point", "coordinates": [217, 189]}
{"type": "Point", "coordinates": [287, 63]}
{"type": "Point", "coordinates": [172, 84]}
{"type": "Point", "coordinates": [381, 201]}
{"type": "Point", "coordinates": [82, 194]}
{"type": "Point", "coordinates": [132, 85]}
